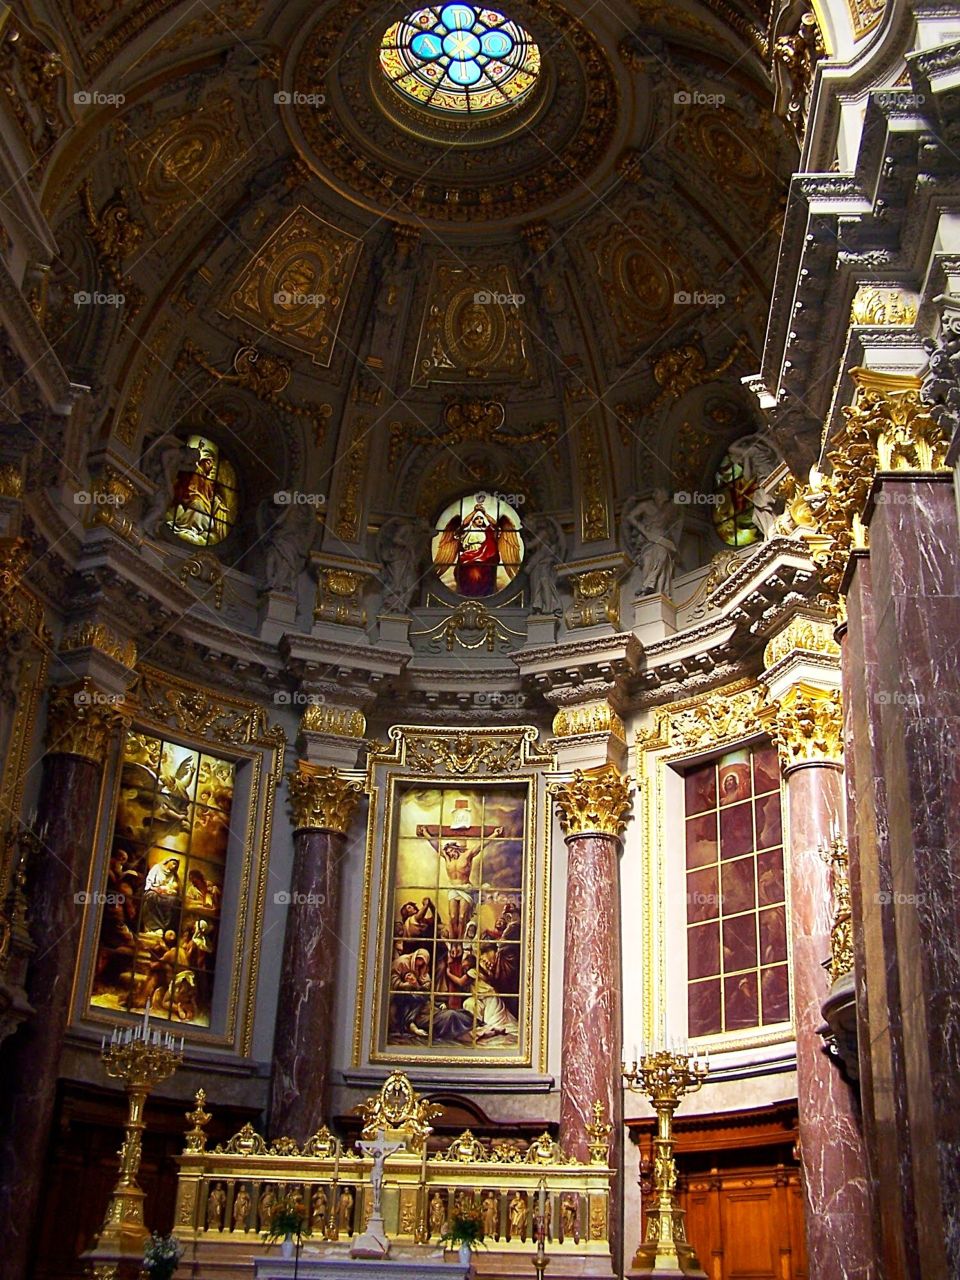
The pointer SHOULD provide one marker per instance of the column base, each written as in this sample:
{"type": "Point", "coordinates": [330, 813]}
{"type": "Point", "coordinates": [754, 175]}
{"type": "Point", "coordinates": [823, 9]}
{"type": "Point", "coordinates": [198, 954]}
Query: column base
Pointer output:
{"type": "Point", "coordinates": [666, 1251]}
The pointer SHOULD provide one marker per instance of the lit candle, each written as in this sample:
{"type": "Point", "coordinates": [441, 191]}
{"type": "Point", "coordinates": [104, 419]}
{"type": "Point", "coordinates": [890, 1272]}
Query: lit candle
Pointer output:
{"type": "Point", "coordinates": [336, 1161]}
{"type": "Point", "coordinates": [146, 1016]}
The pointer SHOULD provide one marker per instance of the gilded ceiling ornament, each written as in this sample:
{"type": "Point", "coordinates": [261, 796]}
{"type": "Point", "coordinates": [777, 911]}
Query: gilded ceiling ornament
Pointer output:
{"type": "Point", "coordinates": [640, 273]}
{"type": "Point", "coordinates": [115, 233]}
{"type": "Point", "coordinates": [729, 150]}
{"type": "Point", "coordinates": [808, 726]}
{"type": "Point", "coordinates": [797, 47]}
{"type": "Point", "coordinates": [177, 164]}
{"type": "Point", "coordinates": [206, 568]}
{"type": "Point", "coordinates": [722, 716]}
{"type": "Point", "coordinates": [473, 326]}
{"type": "Point", "coordinates": [594, 802]}
{"type": "Point", "coordinates": [679, 369]}
{"type": "Point", "coordinates": [865, 15]}
{"type": "Point", "coordinates": [468, 421]}
{"type": "Point", "coordinates": [295, 286]}
{"type": "Point", "coordinates": [322, 799]}
{"type": "Point", "coordinates": [127, 422]}
{"type": "Point", "coordinates": [82, 720]}
{"type": "Point", "coordinates": [351, 476]}
{"type": "Point", "coordinates": [594, 717]}
{"type": "Point", "coordinates": [875, 305]}
{"type": "Point", "coordinates": [97, 635]}
{"type": "Point", "coordinates": [225, 22]}
{"type": "Point", "coordinates": [32, 77]}
{"type": "Point", "coordinates": [594, 470]}
{"type": "Point", "coordinates": [801, 635]}
{"type": "Point", "coordinates": [14, 559]}
{"type": "Point", "coordinates": [341, 722]}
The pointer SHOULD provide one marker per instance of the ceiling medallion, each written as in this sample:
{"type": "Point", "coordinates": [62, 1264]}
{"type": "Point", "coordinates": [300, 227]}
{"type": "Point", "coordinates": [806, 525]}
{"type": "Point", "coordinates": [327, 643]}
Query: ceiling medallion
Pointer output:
{"type": "Point", "coordinates": [383, 146]}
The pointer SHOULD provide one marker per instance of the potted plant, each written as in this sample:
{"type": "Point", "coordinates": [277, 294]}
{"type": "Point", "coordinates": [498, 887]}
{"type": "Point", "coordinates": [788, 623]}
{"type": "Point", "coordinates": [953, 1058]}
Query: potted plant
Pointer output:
{"type": "Point", "coordinates": [288, 1222]}
{"type": "Point", "coordinates": [464, 1230]}
{"type": "Point", "coordinates": [161, 1256]}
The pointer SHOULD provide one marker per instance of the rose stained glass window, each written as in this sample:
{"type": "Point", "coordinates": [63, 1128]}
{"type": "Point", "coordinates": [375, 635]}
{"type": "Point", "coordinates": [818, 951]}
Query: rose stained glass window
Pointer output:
{"type": "Point", "coordinates": [460, 58]}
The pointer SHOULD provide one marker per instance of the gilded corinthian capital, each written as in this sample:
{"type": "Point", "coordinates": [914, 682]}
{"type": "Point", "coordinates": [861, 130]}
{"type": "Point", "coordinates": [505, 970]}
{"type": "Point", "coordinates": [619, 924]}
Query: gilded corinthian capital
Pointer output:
{"type": "Point", "coordinates": [594, 802]}
{"type": "Point", "coordinates": [82, 719]}
{"type": "Point", "coordinates": [322, 799]}
{"type": "Point", "coordinates": [809, 726]}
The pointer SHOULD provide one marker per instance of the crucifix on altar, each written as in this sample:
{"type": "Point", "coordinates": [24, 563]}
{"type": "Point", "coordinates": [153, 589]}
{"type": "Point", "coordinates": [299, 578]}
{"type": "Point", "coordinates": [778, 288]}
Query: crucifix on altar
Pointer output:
{"type": "Point", "coordinates": [373, 1242]}
{"type": "Point", "coordinates": [457, 847]}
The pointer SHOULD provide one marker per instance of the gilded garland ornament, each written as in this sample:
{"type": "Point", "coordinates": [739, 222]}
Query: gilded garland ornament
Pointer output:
{"type": "Point", "coordinates": [594, 802]}
{"type": "Point", "coordinates": [808, 726]}
{"type": "Point", "coordinates": [322, 799]}
{"type": "Point", "coordinates": [841, 930]}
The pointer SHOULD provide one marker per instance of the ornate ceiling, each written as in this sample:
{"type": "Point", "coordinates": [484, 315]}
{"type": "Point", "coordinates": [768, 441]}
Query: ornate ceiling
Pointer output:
{"type": "Point", "coordinates": [336, 290]}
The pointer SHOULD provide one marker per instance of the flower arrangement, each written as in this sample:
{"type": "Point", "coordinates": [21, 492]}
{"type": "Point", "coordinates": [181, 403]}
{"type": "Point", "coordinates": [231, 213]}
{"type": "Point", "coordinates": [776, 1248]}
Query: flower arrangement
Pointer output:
{"type": "Point", "coordinates": [161, 1256]}
{"type": "Point", "coordinates": [288, 1217]}
{"type": "Point", "coordinates": [465, 1228]}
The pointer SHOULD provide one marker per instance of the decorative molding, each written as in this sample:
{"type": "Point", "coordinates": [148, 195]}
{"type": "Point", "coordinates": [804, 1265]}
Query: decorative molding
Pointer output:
{"type": "Point", "coordinates": [463, 752]}
{"type": "Point", "coordinates": [594, 802]}
{"type": "Point", "coordinates": [808, 726]}
{"type": "Point", "coordinates": [801, 635]}
{"type": "Point", "coordinates": [730, 714]}
{"type": "Point", "coordinates": [874, 305]}
{"type": "Point", "coordinates": [593, 717]}
{"type": "Point", "coordinates": [97, 635]}
{"type": "Point", "coordinates": [341, 722]}
{"type": "Point", "coordinates": [322, 799]}
{"type": "Point", "coordinates": [82, 720]}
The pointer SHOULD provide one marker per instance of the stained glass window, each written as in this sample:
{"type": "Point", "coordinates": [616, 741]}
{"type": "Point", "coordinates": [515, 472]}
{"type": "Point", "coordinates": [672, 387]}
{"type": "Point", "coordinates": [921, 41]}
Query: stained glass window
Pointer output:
{"type": "Point", "coordinates": [205, 501]}
{"type": "Point", "coordinates": [460, 58]}
{"type": "Point", "coordinates": [736, 912]}
{"type": "Point", "coordinates": [160, 921]}
{"type": "Point", "coordinates": [733, 510]}
{"type": "Point", "coordinates": [477, 547]}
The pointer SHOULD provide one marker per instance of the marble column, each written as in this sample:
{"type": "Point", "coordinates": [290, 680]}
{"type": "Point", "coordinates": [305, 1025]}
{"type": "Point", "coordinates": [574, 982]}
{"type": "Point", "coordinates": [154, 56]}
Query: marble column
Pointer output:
{"type": "Point", "coordinates": [592, 808]}
{"type": "Point", "coordinates": [80, 724]}
{"type": "Point", "coordinates": [883, 1092]}
{"type": "Point", "coordinates": [837, 1219]}
{"type": "Point", "coordinates": [323, 804]}
{"type": "Point", "coordinates": [915, 579]}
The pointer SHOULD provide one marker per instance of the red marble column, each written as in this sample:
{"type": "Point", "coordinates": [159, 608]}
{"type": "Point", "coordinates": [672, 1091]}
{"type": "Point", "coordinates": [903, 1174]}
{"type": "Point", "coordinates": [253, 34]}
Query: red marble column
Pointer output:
{"type": "Point", "coordinates": [838, 1227]}
{"type": "Point", "coordinates": [916, 614]}
{"type": "Point", "coordinates": [78, 736]}
{"type": "Point", "coordinates": [592, 997]}
{"type": "Point", "coordinates": [323, 804]}
{"type": "Point", "coordinates": [882, 1082]}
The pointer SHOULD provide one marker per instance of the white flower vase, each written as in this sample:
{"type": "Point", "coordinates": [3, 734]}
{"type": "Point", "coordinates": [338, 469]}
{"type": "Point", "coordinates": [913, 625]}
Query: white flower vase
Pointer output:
{"type": "Point", "coordinates": [464, 1255]}
{"type": "Point", "coordinates": [286, 1247]}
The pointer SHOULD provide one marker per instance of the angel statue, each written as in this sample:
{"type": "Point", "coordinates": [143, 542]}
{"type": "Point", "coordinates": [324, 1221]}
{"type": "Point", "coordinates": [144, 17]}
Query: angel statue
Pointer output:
{"type": "Point", "coordinates": [287, 533]}
{"type": "Point", "coordinates": [545, 547]}
{"type": "Point", "coordinates": [400, 545]}
{"type": "Point", "coordinates": [166, 457]}
{"type": "Point", "coordinates": [476, 546]}
{"type": "Point", "coordinates": [650, 530]}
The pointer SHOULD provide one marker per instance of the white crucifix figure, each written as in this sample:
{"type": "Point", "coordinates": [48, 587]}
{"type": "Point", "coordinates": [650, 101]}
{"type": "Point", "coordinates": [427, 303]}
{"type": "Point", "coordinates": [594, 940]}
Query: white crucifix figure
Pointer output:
{"type": "Point", "coordinates": [379, 1150]}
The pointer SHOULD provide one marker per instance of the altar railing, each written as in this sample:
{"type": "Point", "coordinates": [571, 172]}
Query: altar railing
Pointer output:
{"type": "Point", "coordinates": [225, 1196]}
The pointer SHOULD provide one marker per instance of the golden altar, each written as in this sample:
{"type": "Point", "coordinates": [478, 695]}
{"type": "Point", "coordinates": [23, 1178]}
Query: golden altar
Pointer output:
{"type": "Point", "coordinates": [225, 1195]}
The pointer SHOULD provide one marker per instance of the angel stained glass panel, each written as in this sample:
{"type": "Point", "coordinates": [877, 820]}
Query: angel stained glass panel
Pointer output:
{"type": "Point", "coordinates": [478, 545]}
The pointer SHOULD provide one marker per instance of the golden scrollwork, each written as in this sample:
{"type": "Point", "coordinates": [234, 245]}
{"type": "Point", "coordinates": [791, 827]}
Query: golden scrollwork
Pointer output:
{"type": "Point", "coordinates": [82, 720]}
{"type": "Point", "coordinates": [873, 304]}
{"type": "Point", "coordinates": [841, 930]}
{"type": "Point", "coordinates": [594, 470]}
{"type": "Point", "coordinates": [885, 429]}
{"type": "Point", "coordinates": [640, 271]}
{"type": "Point", "coordinates": [467, 420]}
{"type": "Point", "coordinates": [808, 726]}
{"type": "Point", "coordinates": [865, 15]}
{"type": "Point", "coordinates": [295, 286]}
{"type": "Point", "coordinates": [398, 1108]}
{"type": "Point", "coordinates": [112, 491]}
{"type": "Point", "coordinates": [178, 162]}
{"type": "Point", "coordinates": [343, 722]}
{"type": "Point", "coordinates": [471, 625]}
{"type": "Point", "coordinates": [113, 230]}
{"type": "Point", "coordinates": [464, 752]}
{"type": "Point", "coordinates": [592, 717]}
{"type": "Point", "coordinates": [596, 598]}
{"type": "Point", "coordinates": [322, 799]}
{"type": "Point", "coordinates": [801, 635]}
{"type": "Point", "coordinates": [680, 369]}
{"type": "Point", "coordinates": [350, 504]}
{"type": "Point", "coordinates": [472, 326]}
{"type": "Point", "coordinates": [594, 802]}
{"type": "Point", "coordinates": [724, 715]}
{"type": "Point", "coordinates": [97, 635]}
{"type": "Point", "coordinates": [11, 480]}
{"type": "Point", "coordinates": [340, 596]}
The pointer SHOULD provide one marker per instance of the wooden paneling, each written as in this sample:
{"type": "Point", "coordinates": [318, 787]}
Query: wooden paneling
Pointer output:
{"type": "Point", "coordinates": [739, 1182]}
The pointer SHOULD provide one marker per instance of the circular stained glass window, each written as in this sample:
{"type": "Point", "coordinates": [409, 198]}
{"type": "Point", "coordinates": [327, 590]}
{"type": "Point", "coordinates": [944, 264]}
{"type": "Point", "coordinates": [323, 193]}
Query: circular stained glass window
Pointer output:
{"type": "Point", "coordinates": [460, 58]}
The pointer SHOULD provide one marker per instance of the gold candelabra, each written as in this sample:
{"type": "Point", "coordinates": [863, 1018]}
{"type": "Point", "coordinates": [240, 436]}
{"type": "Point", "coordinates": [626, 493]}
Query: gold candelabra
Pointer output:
{"type": "Point", "coordinates": [140, 1056]}
{"type": "Point", "coordinates": [664, 1077]}
{"type": "Point", "coordinates": [540, 1259]}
